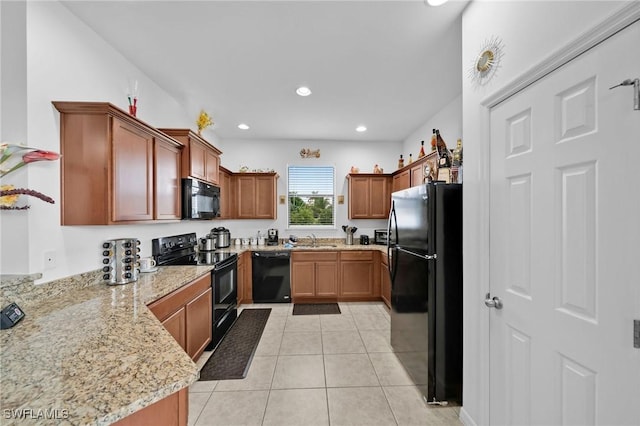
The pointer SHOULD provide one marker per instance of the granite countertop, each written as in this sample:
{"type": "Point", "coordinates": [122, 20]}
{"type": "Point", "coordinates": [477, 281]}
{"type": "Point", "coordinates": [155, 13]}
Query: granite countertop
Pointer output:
{"type": "Point", "coordinates": [323, 244]}
{"type": "Point", "coordinates": [93, 352]}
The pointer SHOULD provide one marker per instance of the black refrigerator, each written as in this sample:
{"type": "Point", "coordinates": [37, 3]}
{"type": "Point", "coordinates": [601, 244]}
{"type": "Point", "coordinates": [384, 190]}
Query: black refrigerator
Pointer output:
{"type": "Point", "coordinates": [425, 264]}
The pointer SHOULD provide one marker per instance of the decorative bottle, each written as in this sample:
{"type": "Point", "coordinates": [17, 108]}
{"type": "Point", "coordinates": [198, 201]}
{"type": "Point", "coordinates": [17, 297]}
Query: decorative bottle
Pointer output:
{"type": "Point", "coordinates": [421, 154]}
{"type": "Point", "coordinates": [443, 153]}
{"type": "Point", "coordinates": [410, 158]}
{"type": "Point", "coordinates": [433, 140]}
{"type": "Point", "coordinates": [457, 154]}
{"type": "Point", "coordinates": [401, 162]}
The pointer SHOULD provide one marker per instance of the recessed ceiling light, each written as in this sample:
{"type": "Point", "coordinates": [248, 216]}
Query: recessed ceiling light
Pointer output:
{"type": "Point", "coordinates": [243, 126]}
{"type": "Point", "coordinates": [361, 129]}
{"type": "Point", "coordinates": [436, 2]}
{"type": "Point", "coordinates": [303, 91]}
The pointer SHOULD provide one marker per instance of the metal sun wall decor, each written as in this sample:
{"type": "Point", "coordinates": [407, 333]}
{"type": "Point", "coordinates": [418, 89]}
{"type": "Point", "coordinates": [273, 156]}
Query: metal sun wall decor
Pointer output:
{"type": "Point", "coordinates": [309, 153]}
{"type": "Point", "coordinates": [487, 62]}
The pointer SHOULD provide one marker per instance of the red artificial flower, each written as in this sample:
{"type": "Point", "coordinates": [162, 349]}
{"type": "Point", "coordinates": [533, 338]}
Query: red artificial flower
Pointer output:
{"type": "Point", "coordinates": [39, 155]}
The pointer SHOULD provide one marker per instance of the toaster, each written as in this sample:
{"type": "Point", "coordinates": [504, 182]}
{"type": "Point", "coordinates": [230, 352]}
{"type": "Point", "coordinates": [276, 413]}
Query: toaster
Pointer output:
{"type": "Point", "coordinates": [380, 236]}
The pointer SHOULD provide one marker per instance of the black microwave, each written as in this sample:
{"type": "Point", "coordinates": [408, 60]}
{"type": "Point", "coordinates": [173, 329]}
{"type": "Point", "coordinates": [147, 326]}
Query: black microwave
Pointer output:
{"type": "Point", "coordinates": [200, 200]}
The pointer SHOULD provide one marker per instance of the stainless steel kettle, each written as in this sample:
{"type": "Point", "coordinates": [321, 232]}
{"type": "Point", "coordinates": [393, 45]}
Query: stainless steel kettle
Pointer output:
{"type": "Point", "coordinates": [222, 235]}
{"type": "Point", "coordinates": [208, 243]}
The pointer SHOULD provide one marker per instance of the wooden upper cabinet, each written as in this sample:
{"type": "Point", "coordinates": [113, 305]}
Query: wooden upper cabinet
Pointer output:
{"type": "Point", "coordinates": [132, 190]}
{"type": "Point", "coordinates": [226, 198]}
{"type": "Point", "coordinates": [380, 201]}
{"type": "Point", "coordinates": [246, 196]}
{"type": "Point", "coordinates": [195, 166]}
{"type": "Point", "coordinates": [167, 180]}
{"type": "Point", "coordinates": [255, 195]}
{"type": "Point", "coordinates": [212, 163]}
{"type": "Point", "coordinates": [401, 181]}
{"type": "Point", "coordinates": [417, 174]}
{"type": "Point", "coordinates": [110, 167]}
{"type": "Point", "coordinates": [412, 174]}
{"type": "Point", "coordinates": [200, 159]}
{"type": "Point", "coordinates": [369, 196]}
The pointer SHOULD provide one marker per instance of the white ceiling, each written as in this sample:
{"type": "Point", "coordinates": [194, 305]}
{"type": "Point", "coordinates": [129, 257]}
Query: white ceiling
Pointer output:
{"type": "Point", "coordinates": [389, 65]}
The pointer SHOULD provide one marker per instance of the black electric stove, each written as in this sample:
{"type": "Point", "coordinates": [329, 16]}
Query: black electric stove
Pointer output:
{"type": "Point", "coordinates": [181, 250]}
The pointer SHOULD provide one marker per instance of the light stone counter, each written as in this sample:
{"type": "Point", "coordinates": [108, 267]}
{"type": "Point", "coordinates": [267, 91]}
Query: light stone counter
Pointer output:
{"type": "Point", "coordinates": [89, 353]}
{"type": "Point", "coordinates": [324, 244]}
{"type": "Point", "coordinates": [95, 353]}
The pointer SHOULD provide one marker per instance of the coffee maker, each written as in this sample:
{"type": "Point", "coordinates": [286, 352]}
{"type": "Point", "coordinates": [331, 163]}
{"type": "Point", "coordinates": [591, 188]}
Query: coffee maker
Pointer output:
{"type": "Point", "coordinates": [272, 237]}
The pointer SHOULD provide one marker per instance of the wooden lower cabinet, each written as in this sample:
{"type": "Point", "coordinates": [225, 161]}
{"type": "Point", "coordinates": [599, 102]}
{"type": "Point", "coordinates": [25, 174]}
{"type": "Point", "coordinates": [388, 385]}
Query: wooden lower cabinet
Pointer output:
{"type": "Point", "coordinates": [244, 278]}
{"type": "Point", "coordinates": [358, 277]}
{"type": "Point", "coordinates": [187, 314]}
{"type": "Point", "coordinates": [345, 275]}
{"type": "Point", "coordinates": [199, 323]}
{"type": "Point", "coordinates": [314, 275]}
{"type": "Point", "coordinates": [245, 287]}
{"type": "Point", "coordinates": [170, 411]}
{"type": "Point", "coordinates": [385, 280]}
{"type": "Point", "coordinates": [176, 326]}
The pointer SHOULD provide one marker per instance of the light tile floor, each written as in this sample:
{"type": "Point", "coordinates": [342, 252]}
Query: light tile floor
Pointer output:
{"type": "Point", "coordinates": [319, 370]}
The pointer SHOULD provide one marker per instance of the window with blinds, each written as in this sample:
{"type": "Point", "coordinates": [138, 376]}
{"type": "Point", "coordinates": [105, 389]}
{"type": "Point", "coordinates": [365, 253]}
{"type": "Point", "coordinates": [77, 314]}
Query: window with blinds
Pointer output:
{"type": "Point", "coordinates": [311, 196]}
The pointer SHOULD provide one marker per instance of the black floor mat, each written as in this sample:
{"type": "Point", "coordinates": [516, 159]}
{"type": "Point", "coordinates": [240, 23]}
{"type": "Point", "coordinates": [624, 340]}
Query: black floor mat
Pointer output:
{"type": "Point", "coordinates": [232, 358]}
{"type": "Point", "coordinates": [315, 308]}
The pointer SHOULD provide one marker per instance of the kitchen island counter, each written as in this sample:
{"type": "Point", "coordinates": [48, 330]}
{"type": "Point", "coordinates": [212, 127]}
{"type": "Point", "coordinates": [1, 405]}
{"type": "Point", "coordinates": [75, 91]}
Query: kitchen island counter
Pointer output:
{"type": "Point", "coordinates": [89, 353]}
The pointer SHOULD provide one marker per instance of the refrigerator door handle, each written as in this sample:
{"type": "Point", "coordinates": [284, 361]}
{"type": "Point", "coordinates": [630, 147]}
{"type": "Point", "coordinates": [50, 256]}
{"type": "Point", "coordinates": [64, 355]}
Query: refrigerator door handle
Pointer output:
{"type": "Point", "coordinates": [392, 217]}
{"type": "Point", "coordinates": [421, 256]}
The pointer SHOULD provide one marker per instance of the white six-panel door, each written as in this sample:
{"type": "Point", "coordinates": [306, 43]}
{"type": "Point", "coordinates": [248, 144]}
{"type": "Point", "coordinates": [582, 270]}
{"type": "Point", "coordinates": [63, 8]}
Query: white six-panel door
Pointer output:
{"type": "Point", "coordinates": [564, 240]}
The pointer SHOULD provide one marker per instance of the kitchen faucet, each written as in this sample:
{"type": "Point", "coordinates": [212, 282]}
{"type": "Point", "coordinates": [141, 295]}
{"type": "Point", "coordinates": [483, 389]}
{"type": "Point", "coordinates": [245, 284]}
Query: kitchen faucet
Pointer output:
{"type": "Point", "coordinates": [313, 239]}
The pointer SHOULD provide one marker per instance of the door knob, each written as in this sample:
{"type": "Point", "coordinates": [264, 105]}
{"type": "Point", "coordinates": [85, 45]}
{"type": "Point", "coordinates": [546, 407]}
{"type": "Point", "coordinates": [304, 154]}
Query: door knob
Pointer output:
{"type": "Point", "coordinates": [494, 302]}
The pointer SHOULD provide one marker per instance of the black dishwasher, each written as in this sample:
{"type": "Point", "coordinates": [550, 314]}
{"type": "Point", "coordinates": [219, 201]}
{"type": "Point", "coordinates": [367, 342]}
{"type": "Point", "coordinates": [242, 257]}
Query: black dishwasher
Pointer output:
{"type": "Point", "coordinates": [271, 276]}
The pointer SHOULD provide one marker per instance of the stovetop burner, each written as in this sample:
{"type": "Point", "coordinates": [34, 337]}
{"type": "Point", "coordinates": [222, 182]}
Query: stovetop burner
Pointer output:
{"type": "Point", "coordinates": [181, 250]}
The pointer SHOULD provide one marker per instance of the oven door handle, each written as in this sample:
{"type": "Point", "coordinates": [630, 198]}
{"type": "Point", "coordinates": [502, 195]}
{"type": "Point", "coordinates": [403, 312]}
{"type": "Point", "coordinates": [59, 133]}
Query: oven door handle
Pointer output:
{"type": "Point", "coordinates": [225, 263]}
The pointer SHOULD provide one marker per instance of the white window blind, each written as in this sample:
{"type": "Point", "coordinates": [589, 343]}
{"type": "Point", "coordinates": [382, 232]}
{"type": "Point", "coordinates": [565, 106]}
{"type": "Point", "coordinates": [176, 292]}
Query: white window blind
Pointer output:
{"type": "Point", "coordinates": [311, 196]}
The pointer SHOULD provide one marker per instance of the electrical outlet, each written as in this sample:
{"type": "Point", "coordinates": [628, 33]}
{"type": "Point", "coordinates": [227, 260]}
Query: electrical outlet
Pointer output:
{"type": "Point", "coordinates": [50, 259]}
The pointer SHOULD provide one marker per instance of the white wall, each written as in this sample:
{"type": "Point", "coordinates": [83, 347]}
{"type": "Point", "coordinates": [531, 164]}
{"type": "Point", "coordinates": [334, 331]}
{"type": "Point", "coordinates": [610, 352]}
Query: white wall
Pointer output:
{"type": "Point", "coordinates": [448, 120]}
{"type": "Point", "coordinates": [66, 60]}
{"type": "Point", "coordinates": [13, 117]}
{"type": "Point", "coordinates": [531, 31]}
{"type": "Point", "coordinates": [276, 155]}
